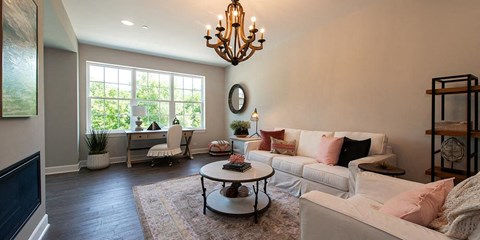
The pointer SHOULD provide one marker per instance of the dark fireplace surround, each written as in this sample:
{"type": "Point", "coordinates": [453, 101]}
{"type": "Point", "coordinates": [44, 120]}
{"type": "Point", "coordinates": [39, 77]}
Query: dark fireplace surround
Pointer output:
{"type": "Point", "coordinates": [20, 195]}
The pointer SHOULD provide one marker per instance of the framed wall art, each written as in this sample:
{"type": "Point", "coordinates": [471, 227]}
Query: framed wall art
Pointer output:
{"type": "Point", "coordinates": [19, 70]}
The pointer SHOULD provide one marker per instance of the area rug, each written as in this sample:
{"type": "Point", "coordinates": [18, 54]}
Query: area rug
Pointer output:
{"type": "Point", "coordinates": [173, 209]}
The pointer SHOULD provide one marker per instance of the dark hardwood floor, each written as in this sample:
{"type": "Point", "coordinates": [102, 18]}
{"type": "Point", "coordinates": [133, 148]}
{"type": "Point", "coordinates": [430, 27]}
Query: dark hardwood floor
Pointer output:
{"type": "Point", "coordinates": [100, 204]}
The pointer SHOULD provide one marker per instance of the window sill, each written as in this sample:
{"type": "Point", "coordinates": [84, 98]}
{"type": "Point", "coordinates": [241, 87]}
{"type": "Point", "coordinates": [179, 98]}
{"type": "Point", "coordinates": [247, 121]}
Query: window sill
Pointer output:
{"type": "Point", "coordinates": [121, 133]}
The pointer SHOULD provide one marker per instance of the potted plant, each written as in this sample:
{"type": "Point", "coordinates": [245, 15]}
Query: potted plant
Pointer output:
{"type": "Point", "coordinates": [240, 128]}
{"type": "Point", "coordinates": [98, 157]}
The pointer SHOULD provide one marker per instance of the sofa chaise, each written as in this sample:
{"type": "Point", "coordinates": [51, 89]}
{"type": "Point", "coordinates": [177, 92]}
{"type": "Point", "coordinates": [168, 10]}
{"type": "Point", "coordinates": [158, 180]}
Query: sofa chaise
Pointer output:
{"type": "Point", "coordinates": [302, 173]}
{"type": "Point", "coordinates": [358, 217]}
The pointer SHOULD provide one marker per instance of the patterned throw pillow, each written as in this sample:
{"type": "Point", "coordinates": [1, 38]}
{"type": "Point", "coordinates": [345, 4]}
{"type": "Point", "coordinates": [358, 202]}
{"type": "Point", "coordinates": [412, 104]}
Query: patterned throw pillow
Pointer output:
{"type": "Point", "coordinates": [265, 144]}
{"type": "Point", "coordinates": [283, 147]}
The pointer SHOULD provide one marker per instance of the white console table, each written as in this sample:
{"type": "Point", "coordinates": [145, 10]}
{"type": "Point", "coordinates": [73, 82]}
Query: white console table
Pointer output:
{"type": "Point", "coordinates": [155, 135]}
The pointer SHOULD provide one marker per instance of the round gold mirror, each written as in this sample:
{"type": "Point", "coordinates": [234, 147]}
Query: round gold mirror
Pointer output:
{"type": "Point", "coordinates": [237, 99]}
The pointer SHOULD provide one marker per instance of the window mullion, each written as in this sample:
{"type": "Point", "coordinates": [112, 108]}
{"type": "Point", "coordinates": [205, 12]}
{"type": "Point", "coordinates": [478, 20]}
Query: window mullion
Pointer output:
{"type": "Point", "coordinates": [88, 112]}
{"type": "Point", "coordinates": [171, 112]}
{"type": "Point", "coordinates": [133, 96]}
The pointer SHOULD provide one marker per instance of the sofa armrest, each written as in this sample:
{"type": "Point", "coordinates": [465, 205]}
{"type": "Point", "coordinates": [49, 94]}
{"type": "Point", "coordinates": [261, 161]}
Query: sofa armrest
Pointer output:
{"type": "Point", "coordinates": [249, 146]}
{"type": "Point", "coordinates": [333, 218]}
{"type": "Point", "coordinates": [380, 188]}
{"type": "Point", "coordinates": [391, 159]}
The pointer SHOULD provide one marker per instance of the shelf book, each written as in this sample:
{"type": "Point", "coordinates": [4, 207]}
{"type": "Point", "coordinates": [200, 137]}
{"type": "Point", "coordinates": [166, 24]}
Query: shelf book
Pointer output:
{"type": "Point", "coordinates": [238, 167]}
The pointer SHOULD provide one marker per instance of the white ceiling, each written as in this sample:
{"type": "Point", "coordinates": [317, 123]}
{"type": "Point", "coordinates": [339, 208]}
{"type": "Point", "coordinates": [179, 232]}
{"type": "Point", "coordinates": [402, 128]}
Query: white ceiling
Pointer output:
{"type": "Point", "coordinates": [177, 27]}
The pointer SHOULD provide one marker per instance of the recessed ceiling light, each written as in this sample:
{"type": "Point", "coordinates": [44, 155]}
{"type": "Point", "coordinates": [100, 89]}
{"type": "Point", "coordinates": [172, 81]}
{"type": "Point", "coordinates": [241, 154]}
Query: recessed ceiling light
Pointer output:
{"type": "Point", "coordinates": [145, 27]}
{"type": "Point", "coordinates": [128, 23]}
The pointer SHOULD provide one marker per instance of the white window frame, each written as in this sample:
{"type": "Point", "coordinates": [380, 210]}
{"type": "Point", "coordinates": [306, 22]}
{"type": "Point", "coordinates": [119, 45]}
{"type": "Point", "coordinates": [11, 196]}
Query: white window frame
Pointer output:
{"type": "Point", "coordinates": [133, 99]}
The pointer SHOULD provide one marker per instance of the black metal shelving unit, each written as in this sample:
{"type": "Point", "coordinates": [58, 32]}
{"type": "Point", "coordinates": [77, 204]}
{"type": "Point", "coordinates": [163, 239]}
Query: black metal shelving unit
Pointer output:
{"type": "Point", "coordinates": [470, 88]}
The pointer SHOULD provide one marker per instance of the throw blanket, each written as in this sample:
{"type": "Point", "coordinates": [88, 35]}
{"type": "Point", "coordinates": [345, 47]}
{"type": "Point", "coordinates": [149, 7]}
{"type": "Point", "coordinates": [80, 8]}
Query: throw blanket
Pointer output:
{"type": "Point", "coordinates": [461, 211]}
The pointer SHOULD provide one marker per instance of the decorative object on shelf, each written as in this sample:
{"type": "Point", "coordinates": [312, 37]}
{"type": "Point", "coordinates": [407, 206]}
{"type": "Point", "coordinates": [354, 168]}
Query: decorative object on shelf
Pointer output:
{"type": "Point", "coordinates": [19, 73]}
{"type": "Point", "coordinates": [139, 111]}
{"type": "Point", "coordinates": [240, 47]}
{"type": "Point", "coordinates": [240, 128]}
{"type": "Point", "coordinates": [451, 126]}
{"type": "Point", "coordinates": [232, 191]}
{"type": "Point", "coordinates": [237, 99]}
{"type": "Point", "coordinates": [175, 121]}
{"type": "Point", "coordinates": [254, 118]}
{"type": "Point", "coordinates": [384, 165]}
{"type": "Point", "coordinates": [243, 191]}
{"type": "Point", "coordinates": [154, 126]}
{"type": "Point", "coordinates": [98, 157]}
{"type": "Point", "coordinates": [453, 151]}
{"type": "Point", "coordinates": [235, 158]}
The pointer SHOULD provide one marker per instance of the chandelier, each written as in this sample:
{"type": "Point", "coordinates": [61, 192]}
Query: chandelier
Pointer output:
{"type": "Point", "coordinates": [240, 47]}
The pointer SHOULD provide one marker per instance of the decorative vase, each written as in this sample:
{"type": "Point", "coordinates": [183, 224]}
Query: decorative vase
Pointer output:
{"type": "Point", "coordinates": [175, 121]}
{"type": "Point", "coordinates": [98, 161]}
{"type": "Point", "coordinates": [241, 132]}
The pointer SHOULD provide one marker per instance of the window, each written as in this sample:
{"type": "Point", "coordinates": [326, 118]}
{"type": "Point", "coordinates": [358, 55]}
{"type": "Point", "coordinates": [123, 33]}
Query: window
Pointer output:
{"type": "Point", "coordinates": [112, 90]}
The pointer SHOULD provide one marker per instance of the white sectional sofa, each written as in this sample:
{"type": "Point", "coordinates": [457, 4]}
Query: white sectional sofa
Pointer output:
{"type": "Point", "coordinates": [359, 217]}
{"type": "Point", "coordinates": [302, 173]}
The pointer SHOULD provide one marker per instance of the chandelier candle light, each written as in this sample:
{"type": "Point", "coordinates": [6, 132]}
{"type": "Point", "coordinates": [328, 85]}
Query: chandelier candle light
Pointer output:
{"type": "Point", "coordinates": [240, 47]}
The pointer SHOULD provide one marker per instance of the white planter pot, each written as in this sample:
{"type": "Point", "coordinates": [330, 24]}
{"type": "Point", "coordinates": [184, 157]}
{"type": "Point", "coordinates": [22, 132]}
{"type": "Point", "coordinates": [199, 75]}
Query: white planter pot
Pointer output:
{"type": "Point", "coordinates": [98, 161]}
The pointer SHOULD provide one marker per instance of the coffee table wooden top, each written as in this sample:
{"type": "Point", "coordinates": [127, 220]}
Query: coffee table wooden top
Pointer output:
{"type": "Point", "coordinates": [377, 168]}
{"type": "Point", "coordinates": [215, 172]}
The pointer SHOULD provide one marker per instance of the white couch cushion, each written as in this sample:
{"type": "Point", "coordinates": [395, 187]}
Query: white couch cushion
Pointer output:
{"type": "Point", "coordinates": [261, 156]}
{"type": "Point", "coordinates": [362, 201]}
{"type": "Point", "coordinates": [291, 134]}
{"type": "Point", "coordinates": [379, 140]}
{"type": "Point", "coordinates": [309, 142]}
{"type": "Point", "coordinates": [291, 164]}
{"type": "Point", "coordinates": [333, 176]}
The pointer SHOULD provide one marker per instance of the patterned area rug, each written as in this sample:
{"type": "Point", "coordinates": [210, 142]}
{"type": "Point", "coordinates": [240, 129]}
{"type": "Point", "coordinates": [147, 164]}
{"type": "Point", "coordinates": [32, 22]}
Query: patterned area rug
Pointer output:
{"type": "Point", "coordinates": [173, 210]}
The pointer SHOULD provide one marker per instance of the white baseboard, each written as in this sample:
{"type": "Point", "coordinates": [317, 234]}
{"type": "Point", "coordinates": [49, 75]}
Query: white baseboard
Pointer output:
{"type": "Point", "coordinates": [199, 150]}
{"type": "Point", "coordinates": [41, 229]}
{"type": "Point", "coordinates": [113, 160]}
{"type": "Point", "coordinates": [121, 159]}
{"type": "Point", "coordinates": [62, 169]}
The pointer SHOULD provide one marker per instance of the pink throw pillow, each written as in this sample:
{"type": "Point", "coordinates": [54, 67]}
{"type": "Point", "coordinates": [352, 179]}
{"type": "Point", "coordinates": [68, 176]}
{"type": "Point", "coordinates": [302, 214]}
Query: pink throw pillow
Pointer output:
{"type": "Point", "coordinates": [329, 150]}
{"type": "Point", "coordinates": [420, 205]}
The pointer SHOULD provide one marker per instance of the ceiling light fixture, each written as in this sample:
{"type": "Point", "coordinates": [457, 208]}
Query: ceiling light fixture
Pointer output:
{"type": "Point", "coordinates": [128, 23]}
{"type": "Point", "coordinates": [238, 48]}
{"type": "Point", "coordinates": [145, 27]}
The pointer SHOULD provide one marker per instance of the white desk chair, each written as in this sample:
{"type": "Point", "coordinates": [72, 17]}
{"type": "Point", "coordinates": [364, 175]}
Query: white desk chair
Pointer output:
{"type": "Point", "coordinates": [169, 149]}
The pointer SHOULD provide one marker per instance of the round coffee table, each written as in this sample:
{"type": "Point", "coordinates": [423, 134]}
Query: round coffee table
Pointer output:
{"type": "Point", "coordinates": [256, 202]}
{"type": "Point", "coordinates": [385, 170]}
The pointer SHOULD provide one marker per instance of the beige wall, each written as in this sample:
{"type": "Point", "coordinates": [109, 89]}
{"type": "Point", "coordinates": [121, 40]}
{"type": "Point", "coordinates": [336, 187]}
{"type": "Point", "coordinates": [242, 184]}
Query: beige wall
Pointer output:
{"type": "Point", "coordinates": [214, 92]}
{"type": "Point", "coordinates": [365, 71]}
{"type": "Point", "coordinates": [22, 137]}
{"type": "Point", "coordinates": [61, 107]}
